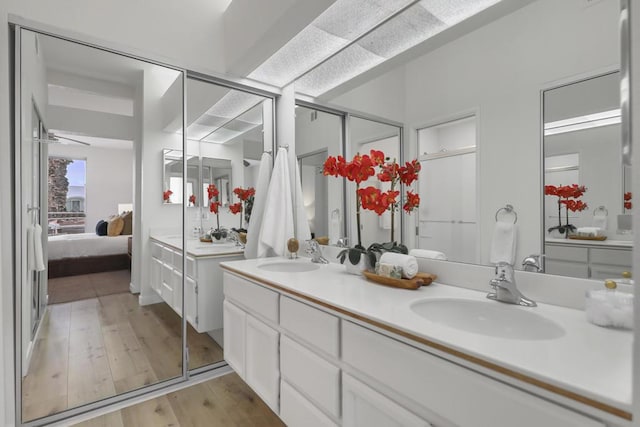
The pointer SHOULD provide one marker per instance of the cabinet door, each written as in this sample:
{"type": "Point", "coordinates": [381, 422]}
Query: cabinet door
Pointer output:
{"type": "Point", "coordinates": [262, 370]}
{"type": "Point", "coordinates": [177, 292]}
{"type": "Point", "coordinates": [234, 337]}
{"type": "Point", "coordinates": [156, 274]}
{"type": "Point", "coordinates": [166, 287]}
{"type": "Point", "coordinates": [364, 407]}
{"type": "Point", "coordinates": [190, 301]}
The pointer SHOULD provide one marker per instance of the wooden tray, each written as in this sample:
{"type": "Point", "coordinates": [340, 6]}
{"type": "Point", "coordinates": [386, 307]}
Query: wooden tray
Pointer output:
{"type": "Point", "coordinates": [203, 240]}
{"type": "Point", "coordinates": [421, 279]}
{"type": "Point", "coordinates": [598, 238]}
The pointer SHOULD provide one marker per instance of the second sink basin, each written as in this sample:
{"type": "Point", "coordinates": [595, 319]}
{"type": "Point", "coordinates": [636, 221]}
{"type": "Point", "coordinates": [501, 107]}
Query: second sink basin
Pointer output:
{"type": "Point", "coordinates": [488, 318]}
{"type": "Point", "coordinates": [293, 266]}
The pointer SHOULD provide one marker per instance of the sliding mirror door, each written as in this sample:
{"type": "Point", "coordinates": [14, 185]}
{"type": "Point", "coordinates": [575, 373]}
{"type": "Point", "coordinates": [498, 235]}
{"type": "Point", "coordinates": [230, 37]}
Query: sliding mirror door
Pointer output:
{"type": "Point", "coordinates": [228, 130]}
{"type": "Point", "coordinates": [99, 257]}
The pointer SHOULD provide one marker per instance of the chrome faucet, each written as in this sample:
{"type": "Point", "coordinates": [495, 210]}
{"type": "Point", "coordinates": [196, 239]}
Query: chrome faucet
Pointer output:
{"type": "Point", "coordinates": [504, 285]}
{"type": "Point", "coordinates": [343, 242]}
{"type": "Point", "coordinates": [313, 249]}
{"type": "Point", "coordinates": [233, 236]}
{"type": "Point", "coordinates": [533, 263]}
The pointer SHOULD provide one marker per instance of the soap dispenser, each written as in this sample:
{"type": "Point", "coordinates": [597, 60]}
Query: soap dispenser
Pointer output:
{"type": "Point", "coordinates": [610, 307]}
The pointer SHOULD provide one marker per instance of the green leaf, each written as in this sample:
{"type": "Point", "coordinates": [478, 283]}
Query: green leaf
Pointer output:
{"type": "Point", "coordinates": [372, 258]}
{"type": "Point", "coordinates": [354, 256]}
{"type": "Point", "coordinates": [342, 255]}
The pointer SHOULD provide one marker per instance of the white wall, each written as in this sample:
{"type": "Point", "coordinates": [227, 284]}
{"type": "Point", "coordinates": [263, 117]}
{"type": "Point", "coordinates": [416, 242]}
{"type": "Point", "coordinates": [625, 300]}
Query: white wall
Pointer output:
{"type": "Point", "coordinates": [499, 71]}
{"type": "Point", "coordinates": [109, 179]}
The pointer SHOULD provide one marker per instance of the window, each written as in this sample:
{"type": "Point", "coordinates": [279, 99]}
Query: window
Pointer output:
{"type": "Point", "coordinates": [67, 195]}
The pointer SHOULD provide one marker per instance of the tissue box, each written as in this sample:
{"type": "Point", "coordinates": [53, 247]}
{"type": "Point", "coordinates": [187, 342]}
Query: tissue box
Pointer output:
{"type": "Point", "coordinates": [610, 308]}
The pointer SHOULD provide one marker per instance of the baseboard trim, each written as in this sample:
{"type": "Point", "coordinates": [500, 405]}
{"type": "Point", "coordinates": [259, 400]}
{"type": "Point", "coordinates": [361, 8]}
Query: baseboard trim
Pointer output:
{"type": "Point", "coordinates": [150, 299]}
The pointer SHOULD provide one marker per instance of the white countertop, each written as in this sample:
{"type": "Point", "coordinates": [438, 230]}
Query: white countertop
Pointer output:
{"type": "Point", "coordinates": [196, 248]}
{"type": "Point", "coordinates": [591, 361]}
{"type": "Point", "coordinates": [621, 244]}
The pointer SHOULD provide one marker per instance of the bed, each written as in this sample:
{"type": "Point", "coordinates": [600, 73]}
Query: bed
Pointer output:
{"type": "Point", "coordinates": [75, 254]}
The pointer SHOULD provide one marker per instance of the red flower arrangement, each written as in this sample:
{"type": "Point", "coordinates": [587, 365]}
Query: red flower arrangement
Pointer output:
{"type": "Point", "coordinates": [246, 201]}
{"type": "Point", "coordinates": [214, 203]}
{"type": "Point", "coordinates": [192, 199]}
{"type": "Point", "coordinates": [166, 195]}
{"type": "Point", "coordinates": [627, 200]}
{"type": "Point", "coordinates": [568, 196]}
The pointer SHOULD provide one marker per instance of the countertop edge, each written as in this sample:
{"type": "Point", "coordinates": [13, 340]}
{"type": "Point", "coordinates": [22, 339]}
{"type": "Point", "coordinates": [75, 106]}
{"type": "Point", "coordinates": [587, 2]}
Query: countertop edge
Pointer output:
{"type": "Point", "coordinates": [216, 255]}
{"type": "Point", "coordinates": [604, 407]}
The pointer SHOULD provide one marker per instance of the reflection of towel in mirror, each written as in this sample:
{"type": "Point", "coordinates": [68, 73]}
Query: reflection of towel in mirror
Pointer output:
{"type": "Point", "coordinates": [257, 212]}
{"type": "Point", "coordinates": [303, 232]}
{"type": "Point", "coordinates": [503, 244]}
{"type": "Point", "coordinates": [277, 223]}
{"type": "Point", "coordinates": [35, 255]}
{"type": "Point", "coordinates": [428, 254]}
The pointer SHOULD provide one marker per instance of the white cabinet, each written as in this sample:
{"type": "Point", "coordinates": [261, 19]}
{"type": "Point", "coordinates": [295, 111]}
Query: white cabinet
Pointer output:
{"type": "Point", "coordinates": [365, 407]}
{"type": "Point", "coordinates": [588, 262]}
{"type": "Point", "coordinates": [315, 367]}
{"type": "Point", "coordinates": [202, 293]}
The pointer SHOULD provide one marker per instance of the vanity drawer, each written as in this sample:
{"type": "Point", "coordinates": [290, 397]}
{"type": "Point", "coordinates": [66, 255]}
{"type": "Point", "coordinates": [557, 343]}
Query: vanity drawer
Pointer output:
{"type": "Point", "coordinates": [177, 260]}
{"type": "Point", "coordinates": [312, 375]}
{"type": "Point", "coordinates": [167, 255]}
{"type": "Point", "coordinates": [156, 250]}
{"type": "Point", "coordinates": [618, 257]}
{"type": "Point", "coordinates": [566, 253]}
{"type": "Point", "coordinates": [192, 267]}
{"type": "Point", "coordinates": [311, 325]}
{"type": "Point", "coordinates": [295, 410]}
{"type": "Point", "coordinates": [255, 298]}
{"type": "Point", "coordinates": [440, 385]}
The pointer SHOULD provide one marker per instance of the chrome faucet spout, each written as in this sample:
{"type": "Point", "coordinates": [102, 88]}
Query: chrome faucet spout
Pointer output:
{"type": "Point", "coordinates": [313, 249]}
{"type": "Point", "coordinates": [504, 287]}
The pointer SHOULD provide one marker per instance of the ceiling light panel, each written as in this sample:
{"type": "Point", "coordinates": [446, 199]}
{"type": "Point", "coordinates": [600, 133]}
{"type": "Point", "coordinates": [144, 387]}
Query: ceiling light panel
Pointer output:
{"type": "Point", "coordinates": [344, 66]}
{"type": "Point", "coordinates": [343, 22]}
{"type": "Point", "coordinates": [404, 31]}
{"type": "Point", "coordinates": [453, 11]}
{"type": "Point", "coordinates": [349, 19]}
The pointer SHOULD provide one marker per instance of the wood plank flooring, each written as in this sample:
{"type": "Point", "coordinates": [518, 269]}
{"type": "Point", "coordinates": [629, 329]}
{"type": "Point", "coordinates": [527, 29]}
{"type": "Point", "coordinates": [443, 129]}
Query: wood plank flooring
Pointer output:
{"type": "Point", "coordinates": [92, 349]}
{"type": "Point", "coordinates": [226, 401]}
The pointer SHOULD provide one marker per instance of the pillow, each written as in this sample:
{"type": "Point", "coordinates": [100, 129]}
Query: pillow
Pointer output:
{"type": "Point", "coordinates": [101, 228]}
{"type": "Point", "coordinates": [116, 224]}
{"type": "Point", "coordinates": [127, 217]}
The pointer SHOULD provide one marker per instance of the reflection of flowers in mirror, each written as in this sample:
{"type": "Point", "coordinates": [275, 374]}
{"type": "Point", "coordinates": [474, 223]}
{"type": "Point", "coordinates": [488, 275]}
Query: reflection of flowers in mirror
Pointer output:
{"type": "Point", "coordinates": [166, 196]}
{"type": "Point", "coordinates": [192, 200]}
{"type": "Point", "coordinates": [627, 200]}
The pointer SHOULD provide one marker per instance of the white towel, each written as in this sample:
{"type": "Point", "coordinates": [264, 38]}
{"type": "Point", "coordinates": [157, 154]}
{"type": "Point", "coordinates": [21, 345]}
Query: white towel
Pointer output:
{"type": "Point", "coordinates": [408, 263]}
{"type": "Point", "coordinates": [277, 223]}
{"type": "Point", "coordinates": [428, 254]}
{"type": "Point", "coordinates": [303, 232]}
{"type": "Point", "coordinates": [600, 221]}
{"type": "Point", "coordinates": [503, 244]}
{"type": "Point", "coordinates": [589, 231]}
{"type": "Point", "coordinates": [257, 213]}
{"type": "Point", "coordinates": [35, 254]}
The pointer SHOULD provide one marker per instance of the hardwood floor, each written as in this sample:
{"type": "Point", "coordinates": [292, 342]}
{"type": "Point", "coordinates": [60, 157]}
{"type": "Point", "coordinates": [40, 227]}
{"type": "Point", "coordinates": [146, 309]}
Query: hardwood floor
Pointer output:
{"type": "Point", "coordinates": [92, 349]}
{"type": "Point", "coordinates": [224, 401]}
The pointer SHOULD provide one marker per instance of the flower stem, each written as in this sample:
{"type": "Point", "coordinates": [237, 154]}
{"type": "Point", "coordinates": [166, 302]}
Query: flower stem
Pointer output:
{"type": "Point", "coordinates": [358, 214]}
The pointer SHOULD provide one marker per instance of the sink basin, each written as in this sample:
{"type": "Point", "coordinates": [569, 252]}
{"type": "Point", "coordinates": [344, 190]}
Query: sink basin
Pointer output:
{"type": "Point", "coordinates": [289, 266]}
{"type": "Point", "coordinates": [489, 318]}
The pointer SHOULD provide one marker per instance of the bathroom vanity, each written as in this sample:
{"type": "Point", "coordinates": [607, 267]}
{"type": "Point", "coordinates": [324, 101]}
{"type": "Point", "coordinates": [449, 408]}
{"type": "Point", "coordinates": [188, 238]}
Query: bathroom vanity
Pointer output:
{"type": "Point", "coordinates": [325, 348]}
{"type": "Point", "coordinates": [588, 259]}
{"type": "Point", "coordinates": [203, 279]}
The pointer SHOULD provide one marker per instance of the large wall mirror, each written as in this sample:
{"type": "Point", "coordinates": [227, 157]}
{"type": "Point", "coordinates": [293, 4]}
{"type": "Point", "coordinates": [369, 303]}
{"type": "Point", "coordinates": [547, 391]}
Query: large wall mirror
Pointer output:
{"type": "Point", "coordinates": [228, 131]}
{"type": "Point", "coordinates": [474, 104]}
{"type": "Point", "coordinates": [90, 325]}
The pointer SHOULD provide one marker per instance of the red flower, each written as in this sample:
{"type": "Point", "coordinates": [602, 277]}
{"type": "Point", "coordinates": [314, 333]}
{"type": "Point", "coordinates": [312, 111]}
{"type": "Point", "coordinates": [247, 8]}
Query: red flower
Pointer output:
{"type": "Point", "coordinates": [235, 208]}
{"type": "Point", "coordinates": [375, 200]}
{"type": "Point", "coordinates": [212, 191]}
{"type": "Point", "coordinates": [550, 190]}
{"type": "Point", "coordinates": [377, 157]}
{"type": "Point", "coordinates": [390, 172]}
{"type": "Point", "coordinates": [409, 172]}
{"type": "Point", "coordinates": [628, 205]}
{"type": "Point", "coordinates": [214, 206]}
{"type": "Point", "coordinates": [359, 169]}
{"type": "Point", "coordinates": [334, 166]}
{"type": "Point", "coordinates": [243, 194]}
{"type": "Point", "coordinates": [628, 196]}
{"type": "Point", "coordinates": [571, 191]}
{"type": "Point", "coordinates": [574, 205]}
{"type": "Point", "coordinates": [368, 197]}
{"type": "Point", "coordinates": [166, 195]}
{"type": "Point", "coordinates": [192, 199]}
{"type": "Point", "coordinates": [413, 201]}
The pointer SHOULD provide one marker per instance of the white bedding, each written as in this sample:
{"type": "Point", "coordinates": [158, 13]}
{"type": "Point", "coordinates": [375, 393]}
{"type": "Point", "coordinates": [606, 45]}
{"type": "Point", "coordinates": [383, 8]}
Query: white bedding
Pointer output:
{"type": "Point", "coordinates": [85, 245]}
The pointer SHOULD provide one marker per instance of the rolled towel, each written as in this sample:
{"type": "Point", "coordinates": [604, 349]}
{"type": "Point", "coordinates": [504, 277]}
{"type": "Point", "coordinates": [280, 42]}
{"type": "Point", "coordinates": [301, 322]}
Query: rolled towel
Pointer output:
{"type": "Point", "coordinates": [408, 263]}
{"type": "Point", "coordinates": [589, 231]}
{"type": "Point", "coordinates": [428, 254]}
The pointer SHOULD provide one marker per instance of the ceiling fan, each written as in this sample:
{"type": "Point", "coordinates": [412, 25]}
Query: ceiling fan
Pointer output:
{"type": "Point", "coordinates": [57, 139]}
